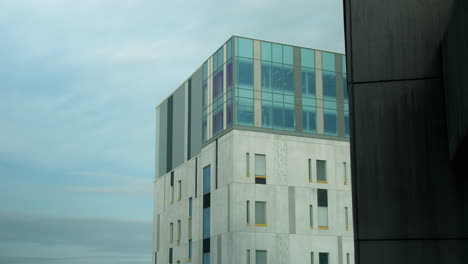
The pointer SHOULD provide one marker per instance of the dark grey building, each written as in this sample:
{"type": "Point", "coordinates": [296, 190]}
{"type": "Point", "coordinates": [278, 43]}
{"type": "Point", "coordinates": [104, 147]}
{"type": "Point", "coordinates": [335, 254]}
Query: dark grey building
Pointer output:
{"type": "Point", "coordinates": [408, 87]}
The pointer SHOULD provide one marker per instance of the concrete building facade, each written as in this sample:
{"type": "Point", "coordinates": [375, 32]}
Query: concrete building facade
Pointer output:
{"type": "Point", "coordinates": [252, 160]}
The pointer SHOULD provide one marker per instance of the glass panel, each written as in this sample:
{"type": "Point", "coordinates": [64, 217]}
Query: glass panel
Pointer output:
{"type": "Point", "coordinates": [260, 165]}
{"type": "Point", "coordinates": [346, 114]}
{"type": "Point", "coordinates": [229, 112]}
{"type": "Point", "coordinates": [278, 115]}
{"type": "Point", "coordinates": [343, 63]}
{"type": "Point", "coordinates": [206, 258]}
{"type": "Point", "coordinates": [277, 77]}
{"type": "Point", "coordinates": [289, 99]}
{"type": "Point", "coordinates": [330, 122]}
{"type": "Point", "coordinates": [322, 197]}
{"type": "Point", "coordinates": [205, 94]}
{"type": "Point", "coordinates": [321, 170]}
{"type": "Point", "coordinates": [309, 121]}
{"type": "Point", "coordinates": [308, 101]}
{"type": "Point", "coordinates": [323, 216]}
{"type": "Point", "coordinates": [289, 120]}
{"type": "Point", "coordinates": [218, 84]}
{"type": "Point", "coordinates": [323, 258]}
{"type": "Point", "coordinates": [245, 73]}
{"type": "Point", "coordinates": [266, 76]}
{"type": "Point", "coordinates": [204, 129]}
{"type": "Point", "coordinates": [267, 96]}
{"type": "Point", "coordinates": [288, 75]}
{"type": "Point", "coordinates": [206, 222]}
{"type": "Point", "coordinates": [190, 249]}
{"type": "Point", "coordinates": [205, 70]}
{"type": "Point", "coordinates": [206, 179]}
{"type": "Point", "coordinates": [229, 79]}
{"type": "Point", "coordinates": [277, 53]}
{"type": "Point", "coordinates": [345, 87]}
{"type": "Point", "coordinates": [307, 58]}
{"type": "Point", "coordinates": [245, 47]}
{"type": "Point", "coordinates": [190, 207]}
{"type": "Point", "coordinates": [261, 257]}
{"type": "Point", "coordinates": [245, 111]}
{"type": "Point", "coordinates": [229, 49]}
{"type": "Point", "coordinates": [260, 213]}
{"type": "Point", "coordinates": [266, 51]}
{"type": "Point", "coordinates": [245, 93]}
{"type": "Point", "coordinates": [248, 212]}
{"type": "Point", "coordinates": [311, 215]}
{"type": "Point", "coordinates": [248, 256]}
{"type": "Point", "coordinates": [288, 55]}
{"type": "Point", "coordinates": [308, 82]}
{"type": "Point", "coordinates": [278, 97]}
{"type": "Point", "coordinates": [266, 114]}
{"type": "Point", "coordinates": [346, 218]}
{"type": "Point", "coordinates": [329, 84]}
{"type": "Point", "coordinates": [328, 61]}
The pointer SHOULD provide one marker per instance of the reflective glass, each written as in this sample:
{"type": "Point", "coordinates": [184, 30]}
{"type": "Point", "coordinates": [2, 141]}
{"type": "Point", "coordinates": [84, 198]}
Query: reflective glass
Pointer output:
{"type": "Point", "coordinates": [343, 63]}
{"type": "Point", "coordinates": [328, 61]}
{"type": "Point", "coordinates": [308, 82]}
{"type": "Point", "coordinates": [278, 115]}
{"type": "Point", "coordinates": [308, 101]}
{"type": "Point", "coordinates": [206, 258]}
{"type": "Point", "coordinates": [206, 179]}
{"type": "Point", "coordinates": [329, 104]}
{"type": "Point", "coordinates": [277, 77]}
{"type": "Point", "coordinates": [245, 47]}
{"type": "Point", "coordinates": [329, 84]}
{"type": "Point", "coordinates": [260, 213]}
{"type": "Point", "coordinates": [309, 122]}
{"type": "Point", "coordinates": [278, 97]}
{"type": "Point", "coordinates": [330, 122]}
{"type": "Point", "coordinates": [307, 58]}
{"type": "Point", "coordinates": [345, 87]}
{"type": "Point", "coordinates": [288, 55]}
{"type": "Point", "coordinates": [277, 53]}
{"type": "Point", "coordinates": [204, 129]}
{"type": "Point", "coordinates": [205, 71]}
{"type": "Point", "coordinates": [220, 57]}
{"type": "Point", "coordinates": [229, 49]}
{"type": "Point", "coordinates": [244, 93]}
{"type": "Point", "coordinates": [244, 111]}
{"type": "Point", "coordinates": [323, 258]}
{"type": "Point", "coordinates": [346, 114]}
{"type": "Point", "coordinates": [218, 119]}
{"type": "Point", "coordinates": [261, 257]}
{"type": "Point", "coordinates": [323, 216]}
{"type": "Point", "coordinates": [190, 207]}
{"type": "Point", "coordinates": [288, 75]}
{"type": "Point", "coordinates": [266, 76]}
{"type": "Point", "coordinates": [245, 73]}
{"type": "Point", "coordinates": [229, 79]}
{"type": "Point", "coordinates": [289, 99]}
{"type": "Point", "coordinates": [266, 51]}
{"type": "Point", "coordinates": [289, 120]}
{"type": "Point", "coordinates": [190, 249]}
{"type": "Point", "coordinates": [228, 112]}
{"type": "Point", "coordinates": [267, 96]}
{"type": "Point", "coordinates": [206, 222]}
{"type": "Point", "coordinates": [218, 84]}
{"type": "Point", "coordinates": [205, 94]}
{"type": "Point", "coordinates": [266, 114]}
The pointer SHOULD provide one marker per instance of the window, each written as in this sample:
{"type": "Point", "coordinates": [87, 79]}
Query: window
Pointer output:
{"type": "Point", "coordinates": [310, 170]}
{"type": "Point", "coordinates": [190, 209]}
{"type": "Point", "coordinates": [206, 257]}
{"type": "Point", "coordinates": [311, 257]}
{"type": "Point", "coordinates": [206, 179]}
{"type": "Point", "coordinates": [180, 191]}
{"type": "Point", "coordinates": [190, 250]}
{"type": "Point", "coordinates": [171, 232]}
{"type": "Point", "coordinates": [179, 230]}
{"type": "Point", "coordinates": [170, 255]}
{"type": "Point", "coordinates": [323, 258]}
{"type": "Point", "coordinates": [248, 256]}
{"type": "Point", "coordinates": [345, 174]}
{"type": "Point", "coordinates": [247, 206]}
{"type": "Point", "coordinates": [247, 164]}
{"type": "Point", "coordinates": [347, 259]}
{"type": "Point", "coordinates": [260, 214]}
{"type": "Point", "coordinates": [311, 216]}
{"type": "Point", "coordinates": [260, 169]}
{"type": "Point", "coordinates": [206, 223]}
{"type": "Point", "coordinates": [322, 201]}
{"type": "Point", "coordinates": [346, 218]}
{"type": "Point", "coordinates": [178, 262]}
{"type": "Point", "coordinates": [172, 186]}
{"type": "Point", "coordinates": [261, 257]}
{"type": "Point", "coordinates": [321, 171]}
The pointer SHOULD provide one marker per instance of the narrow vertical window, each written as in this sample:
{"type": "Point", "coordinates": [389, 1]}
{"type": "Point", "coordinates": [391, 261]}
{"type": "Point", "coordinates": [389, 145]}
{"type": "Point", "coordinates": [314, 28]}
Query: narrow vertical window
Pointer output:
{"type": "Point", "coordinates": [179, 197]}
{"type": "Point", "coordinates": [172, 186]}
{"type": "Point", "coordinates": [190, 208]}
{"type": "Point", "coordinates": [260, 169]}
{"type": "Point", "coordinates": [321, 171]}
{"type": "Point", "coordinates": [206, 179]}
{"type": "Point", "coordinates": [248, 256]}
{"type": "Point", "coordinates": [311, 216]}
{"type": "Point", "coordinates": [178, 262]}
{"type": "Point", "coordinates": [171, 232]}
{"type": "Point", "coordinates": [311, 257]}
{"type": "Point", "coordinates": [170, 255]}
{"type": "Point", "coordinates": [346, 218]}
{"type": "Point", "coordinates": [348, 261]}
{"type": "Point", "coordinates": [323, 258]}
{"type": "Point", "coordinates": [179, 230]}
{"type": "Point", "coordinates": [322, 201]}
{"type": "Point", "coordinates": [261, 257]}
{"type": "Point", "coordinates": [260, 214]}
{"type": "Point", "coordinates": [190, 250]}
{"type": "Point", "coordinates": [247, 213]}
{"type": "Point", "coordinates": [247, 164]}
{"type": "Point", "coordinates": [345, 174]}
{"type": "Point", "coordinates": [310, 170]}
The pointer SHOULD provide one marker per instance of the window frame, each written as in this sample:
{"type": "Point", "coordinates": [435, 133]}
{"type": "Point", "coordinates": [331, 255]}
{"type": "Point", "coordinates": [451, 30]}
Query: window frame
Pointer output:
{"type": "Point", "coordinates": [264, 212]}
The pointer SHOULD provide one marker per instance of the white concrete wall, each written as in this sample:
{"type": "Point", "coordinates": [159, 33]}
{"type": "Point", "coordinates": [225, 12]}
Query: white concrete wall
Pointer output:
{"type": "Point", "coordinates": [287, 239]}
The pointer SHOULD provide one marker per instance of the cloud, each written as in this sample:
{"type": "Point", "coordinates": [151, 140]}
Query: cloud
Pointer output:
{"type": "Point", "coordinates": [36, 239]}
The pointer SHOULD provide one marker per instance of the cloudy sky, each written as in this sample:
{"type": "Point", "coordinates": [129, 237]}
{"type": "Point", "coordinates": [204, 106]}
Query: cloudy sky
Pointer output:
{"type": "Point", "coordinates": [79, 82]}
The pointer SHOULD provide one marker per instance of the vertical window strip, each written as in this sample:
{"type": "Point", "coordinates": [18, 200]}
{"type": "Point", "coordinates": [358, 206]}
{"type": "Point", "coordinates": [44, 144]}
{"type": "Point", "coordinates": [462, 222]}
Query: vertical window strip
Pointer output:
{"type": "Point", "coordinates": [346, 218]}
{"type": "Point", "coordinates": [248, 256]}
{"type": "Point", "coordinates": [311, 216]}
{"type": "Point", "coordinates": [179, 230]}
{"type": "Point", "coordinates": [247, 164]}
{"type": "Point", "coordinates": [311, 257]}
{"type": "Point", "coordinates": [345, 174]}
{"type": "Point", "coordinates": [348, 261]}
{"type": "Point", "coordinates": [310, 170]}
{"type": "Point", "coordinates": [180, 191]}
{"type": "Point", "coordinates": [171, 232]}
{"type": "Point", "coordinates": [247, 213]}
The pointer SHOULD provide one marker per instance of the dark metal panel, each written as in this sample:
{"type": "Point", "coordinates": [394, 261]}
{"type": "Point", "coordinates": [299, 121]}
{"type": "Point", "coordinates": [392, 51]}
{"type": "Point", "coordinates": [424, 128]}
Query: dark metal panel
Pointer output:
{"type": "Point", "coordinates": [196, 113]}
{"type": "Point", "coordinates": [292, 209]}
{"type": "Point", "coordinates": [179, 123]}
{"type": "Point", "coordinates": [162, 127]}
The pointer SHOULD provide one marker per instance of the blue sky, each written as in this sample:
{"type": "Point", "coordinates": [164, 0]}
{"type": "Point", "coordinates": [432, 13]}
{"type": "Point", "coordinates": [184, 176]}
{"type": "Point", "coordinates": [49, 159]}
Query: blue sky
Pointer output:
{"type": "Point", "coordinates": [79, 84]}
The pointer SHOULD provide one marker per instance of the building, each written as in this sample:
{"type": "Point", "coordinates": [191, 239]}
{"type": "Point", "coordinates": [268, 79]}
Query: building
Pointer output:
{"type": "Point", "coordinates": [252, 159]}
{"type": "Point", "coordinates": [407, 65]}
